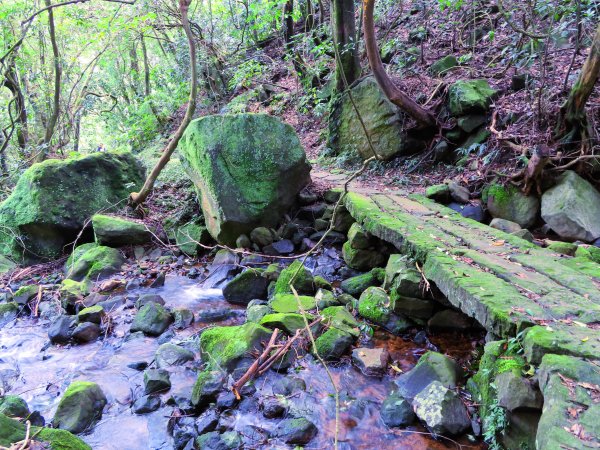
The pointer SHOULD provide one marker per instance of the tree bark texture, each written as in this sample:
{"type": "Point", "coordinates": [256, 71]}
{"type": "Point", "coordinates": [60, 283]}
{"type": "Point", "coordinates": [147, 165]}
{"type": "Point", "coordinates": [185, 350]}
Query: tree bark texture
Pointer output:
{"type": "Point", "coordinates": [344, 28]}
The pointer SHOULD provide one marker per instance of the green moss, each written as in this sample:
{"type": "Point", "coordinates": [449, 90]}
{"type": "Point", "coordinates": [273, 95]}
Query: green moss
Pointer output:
{"type": "Point", "coordinates": [590, 252]}
{"type": "Point", "coordinates": [322, 283]}
{"type": "Point", "coordinates": [356, 285]}
{"type": "Point", "coordinates": [189, 237]}
{"type": "Point", "coordinates": [13, 406]}
{"type": "Point", "coordinates": [339, 317]}
{"type": "Point", "coordinates": [224, 347]}
{"type": "Point", "coordinates": [287, 303]}
{"type": "Point", "coordinates": [469, 96]}
{"type": "Point", "coordinates": [288, 322]}
{"type": "Point", "coordinates": [564, 248]}
{"type": "Point", "coordinates": [333, 343]}
{"type": "Point", "coordinates": [92, 261]}
{"type": "Point", "coordinates": [12, 431]}
{"type": "Point", "coordinates": [71, 291]}
{"type": "Point", "coordinates": [116, 231]}
{"type": "Point", "coordinates": [303, 280]}
{"type": "Point", "coordinates": [374, 305]}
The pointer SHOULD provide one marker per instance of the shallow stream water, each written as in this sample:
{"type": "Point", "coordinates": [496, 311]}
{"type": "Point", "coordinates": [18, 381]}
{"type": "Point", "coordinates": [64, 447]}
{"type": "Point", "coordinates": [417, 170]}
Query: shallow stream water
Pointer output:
{"type": "Point", "coordinates": [40, 373]}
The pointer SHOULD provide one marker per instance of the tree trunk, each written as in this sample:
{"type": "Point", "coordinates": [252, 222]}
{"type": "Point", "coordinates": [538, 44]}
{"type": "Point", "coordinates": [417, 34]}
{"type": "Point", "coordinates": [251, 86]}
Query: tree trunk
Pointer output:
{"type": "Point", "coordinates": [135, 70]}
{"type": "Point", "coordinates": [139, 198]}
{"type": "Point", "coordinates": [288, 23]}
{"type": "Point", "coordinates": [347, 64]}
{"type": "Point", "coordinates": [572, 121]}
{"type": "Point", "coordinates": [393, 93]}
{"type": "Point", "coordinates": [146, 67]}
{"type": "Point", "coordinates": [11, 81]}
{"type": "Point", "coordinates": [57, 80]}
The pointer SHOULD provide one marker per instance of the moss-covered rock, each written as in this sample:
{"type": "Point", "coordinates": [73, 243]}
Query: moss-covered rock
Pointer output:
{"type": "Point", "coordinates": [339, 317]}
{"type": "Point", "coordinates": [6, 264]}
{"type": "Point", "coordinates": [333, 343]}
{"type": "Point", "coordinates": [13, 431]}
{"type": "Point", "coordinates": [438, 192]}
{"type": "Point", "coordinates": [72, 291]}
{"type": "Point", "coordinates": [114, 231]}
{"type": "Point", "coordinates": [469, 96]}
{"type": "Point", "coordinates": [358, 238]}
{"type": "Point", "coordinates": [227, 347]}
{"type": "Point", "coordinates": [443, 65]}
{"type": "Point", "coordinates": [14, 406]}
{"type": "Point", "coordinates": [511, 204]}
{"type": "Point", "coordinates": [152, 319]}
{"type": "Point", "coordinates": [80, 407]}
{"type": "Point", "coordinates": [190, 238]}
{"type": "Point", "coordinates": [288, 322]}
{"type": "Point", "coordinates": [8, 312]}
{"type": "Point", "coordinates": [25, 293]}
{"type": "Point", "coordinates": [374, 305]}
{"type": "Point", "coordinates": [93, 314]}
{"type": "Point", "coordinates": [356, 285]}
{"type": "Point", "coordinates": [247, 170]}
{"type": "Point", "coordinates": [564, 248]}
{"type": "Point", "coordinates": [52, 200]}
{"type": "Point", "coordinates": [383, 120]}
{"type": "Point", "coordinates": [93, 262]}
{"type": "Point", "coordinates": [303, 280]}
{"type": "Point", "coordinates": [590, 252]}
{"type": "Point", "coordinates": [208, 385]}
{"type": "Point", "coordinates": [441, 409]}
{"type": "Point", "coordinates": [362, 259]}
{"type": "Point", "coordinates": [287, 303]}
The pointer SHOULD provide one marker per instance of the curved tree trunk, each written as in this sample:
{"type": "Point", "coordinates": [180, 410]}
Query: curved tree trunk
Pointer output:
{"type": "Point", "coordinates": [11, 81]}
{"type": "Point", "coordinates": [138, 198]}
{"type": "Point", "coordinates": [572, 122]}
{"type": "Point", "coordinates": [288, 23]}
{"type": "Point", "coordinates": [344, 29]}
{"type": "Point", "coordinates": [392, 92]}
{"type": "Point", "coordinates": [57, 80]}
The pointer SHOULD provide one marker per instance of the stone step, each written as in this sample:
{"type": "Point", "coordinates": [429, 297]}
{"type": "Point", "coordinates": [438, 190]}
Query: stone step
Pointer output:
{"type": "Point", "coordinates": [505, 283]}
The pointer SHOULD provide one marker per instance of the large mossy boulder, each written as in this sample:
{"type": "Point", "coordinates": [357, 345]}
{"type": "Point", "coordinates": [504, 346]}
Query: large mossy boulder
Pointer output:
{"type": "Point", "coordinates": [80, 407]}
{"type": "Point", "coordinates": [93, 262]}
{"type": "Point", "coordinates": [510, 203]}
{"type": "Point", "coordinates": [247, 170]}
{"type": "Point", "coordinates": [383, 120]}
{"type": "Point", "coordinates": [13, 431]}
{"type": "Point", "coordinates": [471, 96]}
{"type": "Point", "coordinates": [572, 208]}
{"type": "Point", "coordinates": [52, 200]}
{"type": "Point", "coordinates": [116, 231]}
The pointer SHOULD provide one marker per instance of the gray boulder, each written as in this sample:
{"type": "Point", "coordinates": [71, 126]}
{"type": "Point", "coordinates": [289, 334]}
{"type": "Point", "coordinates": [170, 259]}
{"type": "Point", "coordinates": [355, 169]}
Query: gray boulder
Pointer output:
{"type": "Point", "coordinates": [396, 411]}
{"type": "Point", "coordinates": [168, 355]}
{"type": "Point", "coordinates": [246, 286]}
{"type": "Point", "coordinates": [247, 170]}
{"type": "Point", "coordinates": [441, 409]}
{"type": "Point", "coordinates": [115, 231]}
{"type": "Point", "coordinates": [572, 208]}
{"type": "Point", "coordinates": [295, 431]}
{"type": "Point", "coordinates": [509, 203]}
{"type": "Point", "coordinates": [383, 120]}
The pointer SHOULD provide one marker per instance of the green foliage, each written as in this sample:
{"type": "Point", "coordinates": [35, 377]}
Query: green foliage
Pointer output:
{"type": "Point", "coordinates": [496, 422]}
{"type": "Point", "coordinates": [245, 74]}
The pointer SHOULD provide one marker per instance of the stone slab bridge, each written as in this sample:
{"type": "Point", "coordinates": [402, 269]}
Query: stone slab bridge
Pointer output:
{"type": "Point", "coordinates": [511, 287]}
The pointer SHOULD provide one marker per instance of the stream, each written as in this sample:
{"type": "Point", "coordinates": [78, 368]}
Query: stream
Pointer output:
{"type": "Point", "coordinates": [40, 372]}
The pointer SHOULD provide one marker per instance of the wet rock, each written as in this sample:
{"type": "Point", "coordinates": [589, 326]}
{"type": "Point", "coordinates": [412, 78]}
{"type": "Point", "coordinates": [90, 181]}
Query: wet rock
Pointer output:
{"type": "Point", "coordinates": [288, 385]}
{"type": "Point", "coordinates": [14, 406]}
{"type": "Point", "coordinates": [62, 184]}
{"type": "Point", "coordinates": [441, 409]}
{"type": "Point", "coordinates": [243, 241]}
{"type": "Point", "coordinates": [156, 380]}
{"type": "Point", "coordinates": [182, 318]}
{"type": "Point", "coordinates": [8, 312]}
{"type": "Point", "coordinates": [374, 305]}
{"type": "Point", "coordinates": [359, 239]}
{"type": "Point", "coordinates": [396, 411]}
{"type": "Point", "coordinates": [295, 431]}
{"type": "Point", "coordinates": [472, 96]}
{"type": "Point", "coordinates": [322, 283]}
{"type": "Point", "coordinates": [339, 317]}
{"type": "Point", "coordinates": [438, 192]}
{"type": "Point", "coordinates": [332, 195]}
{"type": "Point", "coordinates": [362, 259]}
{"type": "Point", "coordinates": [509, 203]}
{"type": "Point", "coordinates": [115, 231]}
{"type": "Point", "coordinates": [207, 421]}
{"type": "Point", "coordinates": [93, 314]}
{"type": "Point", "coordinates": [303, 280]}
{"type": "Point", "coordinates": [159, 281]}
{"type": "Point", "coordinates": [217, 441]}
{"type": "Point", "coordinates": [505, 225]}
{"type": "Point", "coordinates": [414, 308]}
{"type": "Point", "coordinates": [516, 392]}
{"type": "Point", "coordinates": [61, 330]}
{"type": "Point", "coordinates": [356, 285]}
{"type": "Point", "coordinates": [333, 343]}
{"type": "Point", "coordinates": [282, 247]}
{"type": "Point", "coordinates": [370, 361]}
{"type": "Point", "coordinates": [262, 236]}
{"type": "Point", "coordinates": [325, 298]}
{"type": "Point", "coordinates": [255, 313]}
{"type": "Point", "coordinates": [246, 286]}
{"type": "Point", "coordinates": [168, 355]}
{"type": "Point", "coordinates": [402, 278]}
{"type": "Point", "coordinates": [273, 407]}
{"type": "Point", "coordinates": [144, 299]}
{"type": "Point", "coordinates": [458, 193]}
{"type": "Point", "coordinates": [138, 365]}
{"type": "Point", "coordinates": [94, 262]}
{"type": "Point", "coordinates": [332, 238]}
{"type": "Point", "coordinates": [86, 332]}
{"type": "Point", "coordinates": [146, 404]}
{"type": "Point", "coordinates": [432, 366]}
{"type": "Point", "coordinates": [80, 407]}
{"type": "Point", "coordinates": [24, 294]}
{"type": "Point", "coordinates": [270, 165]}
{"type": "Point", "coordinates": [152, 319]}
{"type": "Point", "coordinates": [449, 320]}
{"type": "Point", "coordinates": [226, 400]}
{"type": "Point", "coordinates": [184, 433]}
{"type": "Point", "coordinates": [572, 208]}
{"type": "Point", "coordinates": [524, 234]}
{"type": "Point", "coordinates": [207, 387]}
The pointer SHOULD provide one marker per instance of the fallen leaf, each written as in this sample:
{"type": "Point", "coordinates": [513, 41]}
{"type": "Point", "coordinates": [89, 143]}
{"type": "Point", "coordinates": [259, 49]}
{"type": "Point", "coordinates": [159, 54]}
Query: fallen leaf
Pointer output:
{"type": "Point", "coordinates": [498, 243]}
